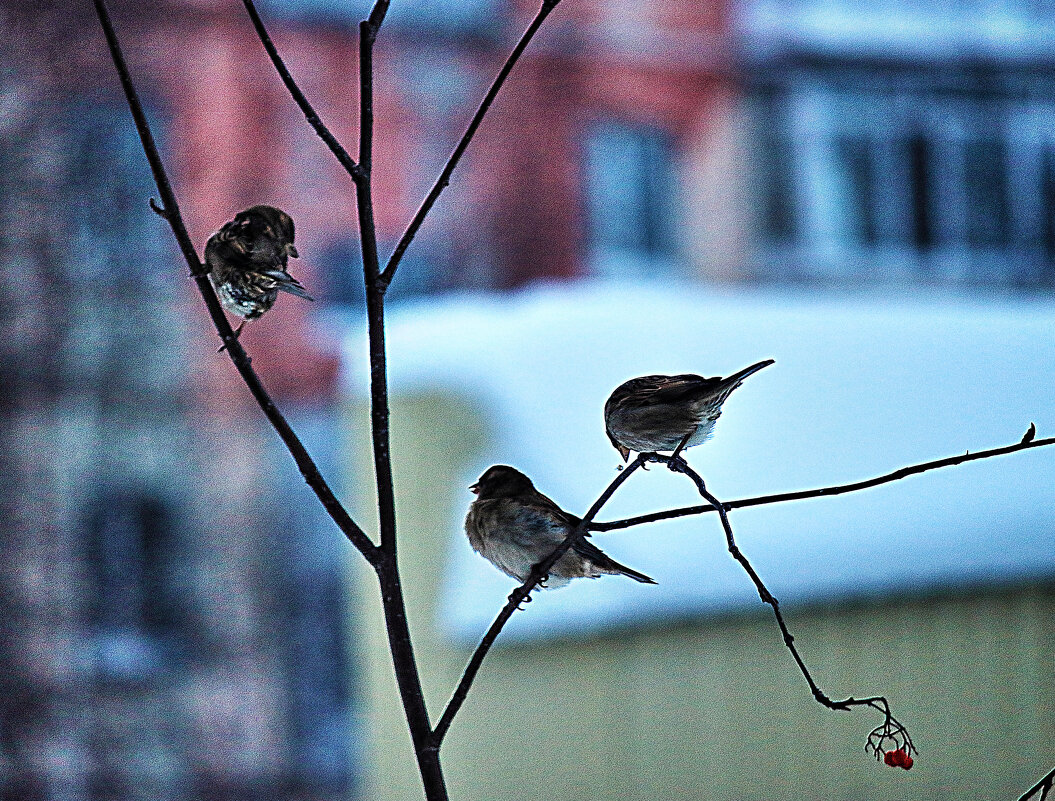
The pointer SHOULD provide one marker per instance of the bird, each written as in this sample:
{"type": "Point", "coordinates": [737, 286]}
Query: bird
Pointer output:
{"type": "Point", "coordinates": [668, 412]}
{"type": "Point", "coordinates": [246, 261]}
{"type": "Point", "coordinates": [514, 527]}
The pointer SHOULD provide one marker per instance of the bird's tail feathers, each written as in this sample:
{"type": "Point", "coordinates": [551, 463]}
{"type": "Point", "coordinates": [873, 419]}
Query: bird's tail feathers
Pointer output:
{"type": "Point", "coordinates": [623, 570]}
{"type": "Point", "coordinates": [287, 283]}
{"type": "Point", "coordinates": [607, 564]}
{"type": "Point", "coordinates": [736, 378]}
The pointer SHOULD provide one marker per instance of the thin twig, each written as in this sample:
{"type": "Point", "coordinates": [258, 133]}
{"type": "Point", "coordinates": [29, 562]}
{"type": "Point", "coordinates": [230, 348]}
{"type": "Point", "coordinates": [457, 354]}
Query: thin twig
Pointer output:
{"type": "Point", "coordinates": [169, 209]}
{"type": "Point", "coordinates": [762, 500]}
{"type": "Point", "coordinates": [537, 574]}
{"type": "Point", "coordinates": [890, 731]}
{"type": "Point", "coordinates": [445, 175]}
{"type": "Point", "coordinates": [298, 96]}
{"type": "Point", "coordinates": [1043, 787]}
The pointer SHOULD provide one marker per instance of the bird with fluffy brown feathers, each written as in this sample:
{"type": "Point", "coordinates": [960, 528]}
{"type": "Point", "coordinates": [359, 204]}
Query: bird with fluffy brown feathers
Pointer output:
{"type": "Point", "coordinates": [514, 527]}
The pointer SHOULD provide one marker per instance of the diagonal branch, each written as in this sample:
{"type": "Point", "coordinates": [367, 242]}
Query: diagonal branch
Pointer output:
{"type": "Point", "coordinates": [890, 732]}
{"type": "Point", "coordinates": [298, 96]}
{"type": "Point", "coordinates": [538, 573]}
{"type": "Point", "coordinates": [1043, 787]}
{"type": "Point", "coordinates": [856, 486]}
{"type": "Point", "coordinates": [170, 211]}
{"type": "Point", "coordinates": [445, 175]}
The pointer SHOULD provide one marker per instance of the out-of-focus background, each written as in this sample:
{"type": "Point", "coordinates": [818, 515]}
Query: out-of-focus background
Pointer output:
{"type": "Point", "coordinates": [863, 191]}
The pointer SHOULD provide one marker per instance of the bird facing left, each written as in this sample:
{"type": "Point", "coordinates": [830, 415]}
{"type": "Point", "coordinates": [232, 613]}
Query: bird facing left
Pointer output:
{"type": "Point", "coordinates": [247, 259]}
{"type": "Point", "coordinates": [514, 527]}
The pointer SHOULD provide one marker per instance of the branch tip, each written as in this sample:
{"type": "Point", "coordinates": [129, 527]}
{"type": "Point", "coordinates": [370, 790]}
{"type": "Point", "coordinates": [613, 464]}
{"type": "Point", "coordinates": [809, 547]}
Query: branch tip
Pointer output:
{"type": "Point", "coordinates": [386, 275]}
{"type": "Point", "coordinates": [298, 96]}
{"type": "Point", "coordinates": [824, 492]}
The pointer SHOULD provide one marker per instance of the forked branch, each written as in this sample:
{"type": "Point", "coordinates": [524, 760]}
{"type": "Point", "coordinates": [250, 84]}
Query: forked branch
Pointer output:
{"type": "Point", "coordinates": [445, 175]}
{"type": "Point", "coordinates": [359, 171]}
{"type": "Point", "coordinates": [169, 210]}
{"type": "Point", "coordinates": [890, 734]}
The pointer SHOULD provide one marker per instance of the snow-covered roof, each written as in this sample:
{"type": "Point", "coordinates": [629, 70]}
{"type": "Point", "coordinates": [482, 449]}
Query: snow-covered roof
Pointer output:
{"type": "Point", "coordinates": [860, 386]}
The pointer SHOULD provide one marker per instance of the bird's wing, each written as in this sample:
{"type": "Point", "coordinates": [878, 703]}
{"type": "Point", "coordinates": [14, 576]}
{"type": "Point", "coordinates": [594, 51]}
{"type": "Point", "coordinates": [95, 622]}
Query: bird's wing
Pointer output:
{"type": "Point", "coordinates": [546, 507]}
{"type": "Point", "coordinates": [664, 389]}
{"type": "Point", "coordinates": [566, 518]}
{"type": "Point", "coordinates": [226, 249]}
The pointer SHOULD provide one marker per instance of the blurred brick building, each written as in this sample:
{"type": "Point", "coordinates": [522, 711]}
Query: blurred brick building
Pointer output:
{"type": "Point", "coordinates": [172, 598]}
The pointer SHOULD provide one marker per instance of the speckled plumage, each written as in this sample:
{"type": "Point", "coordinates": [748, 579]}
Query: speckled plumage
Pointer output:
{"type": "Point", "coordinates": [657, 412]}
{"type": "Point", "coordinates": [514, 526]}
{"type": "Point", "coordinates": [247, 261]}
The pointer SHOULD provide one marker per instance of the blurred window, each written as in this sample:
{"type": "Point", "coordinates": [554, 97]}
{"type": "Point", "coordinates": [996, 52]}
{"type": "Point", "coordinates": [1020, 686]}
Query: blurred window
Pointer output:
{"type": "Point", "coordinates": [118, 239]}
{"type": "Point", "coordinates": [131, 608]}
{"type": "Point", "coordinates": [631, 191]}
{"type": "Point", "coordinates": [932, 186]}
{"type": "Point", "coordinates": [773, 161]}
{"type": "Point", "coordinates": [986, 173]}
{"type": "Point", "coordinates": [919, 157]}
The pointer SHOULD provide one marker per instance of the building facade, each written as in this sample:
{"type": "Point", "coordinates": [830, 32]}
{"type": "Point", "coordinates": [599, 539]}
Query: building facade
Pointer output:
{"type": "Point", "coordinates": [908, 145]}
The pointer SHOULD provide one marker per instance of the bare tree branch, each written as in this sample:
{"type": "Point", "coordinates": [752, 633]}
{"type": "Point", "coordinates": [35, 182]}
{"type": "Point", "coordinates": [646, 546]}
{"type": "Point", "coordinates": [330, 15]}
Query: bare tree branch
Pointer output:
{"type": "Point", "coordinates": [467, 137]}
{"type": "Point", "coordinates": [375, 301]}
{"type": "Point", "coordinates": [404, 662]}
{"type": "Point", "coordinates": [1043, 787]}
{"type": "Point", "coordinates": [408, 679]}
{"type": "Point", "coordinates": [169, 210]}
{"type": "Point", "coordinates": [298, 96]}
{"type": "Point", "coordinates": [521, 593]}
{"type": "Point", "coordinates": [890, 732]}
{"type": "Point", "coordinates": [822, 492]}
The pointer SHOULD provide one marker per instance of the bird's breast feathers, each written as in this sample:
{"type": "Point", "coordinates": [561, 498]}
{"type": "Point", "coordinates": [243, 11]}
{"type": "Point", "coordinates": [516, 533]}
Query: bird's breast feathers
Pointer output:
{"type": "Point", "coordinates": [512, 535]}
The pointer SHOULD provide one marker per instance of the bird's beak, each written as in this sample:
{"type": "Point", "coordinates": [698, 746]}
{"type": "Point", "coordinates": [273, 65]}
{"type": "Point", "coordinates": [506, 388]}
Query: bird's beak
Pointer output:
{"type": "Point", "coordinates": [475, 489]}
{"type": "Point", "coordinates": [624, 452]}
{"type": "Point", "coordinates": [292, 251]}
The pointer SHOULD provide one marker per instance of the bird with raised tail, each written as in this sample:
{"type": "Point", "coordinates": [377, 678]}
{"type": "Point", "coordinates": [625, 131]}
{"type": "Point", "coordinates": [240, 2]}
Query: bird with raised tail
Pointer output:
{"type": "Point", "coordinates": [514, 527]}
{"type": "Point", "coordinates": [668, 412]}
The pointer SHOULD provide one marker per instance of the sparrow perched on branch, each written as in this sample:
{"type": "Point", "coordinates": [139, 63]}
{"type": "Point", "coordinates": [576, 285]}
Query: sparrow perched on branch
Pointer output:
{"type": "Point", "coordinates": [668, 412]}
{"type": "Point", "coordinates": [514, 527]}
{"type": "Point", "coordinates": [247, 261]}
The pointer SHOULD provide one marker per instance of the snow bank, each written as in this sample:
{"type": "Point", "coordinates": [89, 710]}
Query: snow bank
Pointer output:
{"type": "Point", "coordinates": [860, 387]}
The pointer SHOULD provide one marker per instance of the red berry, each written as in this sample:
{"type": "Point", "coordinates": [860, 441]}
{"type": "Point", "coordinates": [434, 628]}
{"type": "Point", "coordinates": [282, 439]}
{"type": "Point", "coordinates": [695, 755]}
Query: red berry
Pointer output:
{"type": "Point", "coordinates": [898, 759]}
